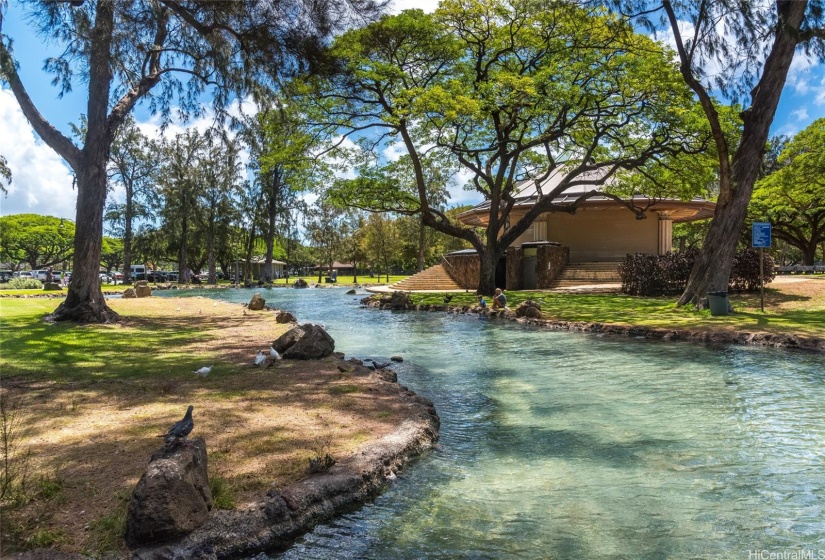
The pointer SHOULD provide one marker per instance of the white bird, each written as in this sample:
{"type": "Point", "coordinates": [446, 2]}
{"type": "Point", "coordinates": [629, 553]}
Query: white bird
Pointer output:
{"type": "Point", "coordinates": [274, 354]}
{"type": "Point", "coordinates": [204, 371]}
{"type": "Point", "coordinates": [260, 358]}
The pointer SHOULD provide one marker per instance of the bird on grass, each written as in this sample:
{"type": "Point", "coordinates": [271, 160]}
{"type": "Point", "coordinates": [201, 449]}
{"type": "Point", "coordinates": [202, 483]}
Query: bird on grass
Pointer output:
{"type": "Point", "coordinates": [447, 298]}
{"type": "Point", "coordinates": [180, 429]}
{"type": "Point", "coordinates": [274, 354]}
{"type": "Point", "coordinates": [204, 371]}
{"type": "Point", "coordinates": [260, 358]}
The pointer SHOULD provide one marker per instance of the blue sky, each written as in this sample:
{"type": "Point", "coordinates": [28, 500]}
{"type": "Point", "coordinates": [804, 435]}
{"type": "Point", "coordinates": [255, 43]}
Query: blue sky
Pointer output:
{"type": "Point", "coordinates": [42, 183]}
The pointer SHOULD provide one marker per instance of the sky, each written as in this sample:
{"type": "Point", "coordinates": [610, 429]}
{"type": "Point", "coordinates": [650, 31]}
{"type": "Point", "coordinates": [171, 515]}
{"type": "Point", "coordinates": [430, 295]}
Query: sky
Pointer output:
{"type": "Point", "coordinates": [42, 183]}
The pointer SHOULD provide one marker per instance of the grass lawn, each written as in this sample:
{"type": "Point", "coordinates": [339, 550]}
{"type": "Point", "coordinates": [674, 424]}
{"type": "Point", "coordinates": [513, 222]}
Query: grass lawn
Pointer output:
{"type": "Point", "coordinates": [87, 401]}
{"type": "Point", "coordinates": [793, 305]}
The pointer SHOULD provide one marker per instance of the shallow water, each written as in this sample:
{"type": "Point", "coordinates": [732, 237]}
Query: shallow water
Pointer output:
{"type": "Point", "coordinates": [565, 445]}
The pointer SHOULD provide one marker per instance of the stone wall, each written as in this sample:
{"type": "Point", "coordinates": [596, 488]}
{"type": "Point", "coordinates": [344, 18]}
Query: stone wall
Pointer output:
{"type": "Point", "coordinates": [551, 260]}
{"type": "Point", "coordinates": [514, 268]}
{"type": "Point", "coordinates": [464, 269]}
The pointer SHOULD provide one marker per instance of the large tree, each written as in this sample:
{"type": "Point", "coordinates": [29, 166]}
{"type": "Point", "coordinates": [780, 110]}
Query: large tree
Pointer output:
{"type": "Point", "coordinates": [792, 197]}
{"type": "Point", "coordinates": [133, 165]}
{"type": "Point", "coordinates": [751, 46]}
{"type": "Point", "coordinates": [281, 154]}
{"type": "Point", "coordinates": [39, 241]}
{"type": "Point", "coordinates": [508, 90]}
{"type": "Point", "coordinates": [219, 173]}
{"type": "Point", "coordinates": [181, 185]}
{"type": "Point", "coordinates": [123, 51]}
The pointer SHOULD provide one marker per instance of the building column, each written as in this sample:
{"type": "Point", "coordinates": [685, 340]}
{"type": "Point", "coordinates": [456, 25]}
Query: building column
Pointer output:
{"type": "Point", "coordinates": [665, 234]}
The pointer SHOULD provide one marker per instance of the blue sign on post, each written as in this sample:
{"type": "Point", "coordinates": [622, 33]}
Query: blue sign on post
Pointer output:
{"type": "Point", "coordinates": [761, 234]}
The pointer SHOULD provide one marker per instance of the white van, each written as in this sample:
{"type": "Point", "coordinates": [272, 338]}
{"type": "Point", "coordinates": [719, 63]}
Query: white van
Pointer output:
{"type": "Point", "coordinates": [137, 272]}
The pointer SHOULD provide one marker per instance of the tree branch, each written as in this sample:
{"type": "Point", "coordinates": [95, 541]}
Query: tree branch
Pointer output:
{"type": "Point", "coordinates": [50, 135]}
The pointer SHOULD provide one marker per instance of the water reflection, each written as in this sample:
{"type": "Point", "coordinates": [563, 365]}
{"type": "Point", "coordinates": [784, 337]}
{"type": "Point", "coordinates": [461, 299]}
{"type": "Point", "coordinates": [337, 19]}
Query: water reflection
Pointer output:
{"type": "Point", "coordinates": [564, 445]}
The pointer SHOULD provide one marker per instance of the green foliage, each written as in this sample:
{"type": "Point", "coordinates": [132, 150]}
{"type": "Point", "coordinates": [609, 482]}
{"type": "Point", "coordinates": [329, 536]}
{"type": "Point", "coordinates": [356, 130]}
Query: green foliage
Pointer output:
{"type": "Point", "coordinates": [792, 197]}
{"type": "Point", "coordinates": [22, 284]}
{"type": "Point", "coordinates": [5, 174]}
{"type": "Point", "coordinates": [36, 240]}
{"type": "Point", "coordinates": [653, 275]}
{"type": "Point", "coordinates": [502, 90]}
{"type": "Point", "coordinates": [109, 530]}
{"type": "Point", "coordinates": [221, 493]}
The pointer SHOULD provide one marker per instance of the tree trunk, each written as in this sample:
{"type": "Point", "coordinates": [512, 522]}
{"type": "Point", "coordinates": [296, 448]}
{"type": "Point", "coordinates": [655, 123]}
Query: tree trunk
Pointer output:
{"type": "Point", "coordinates": [354, 272]}
{"type": "Point", "coordinates": [127, 238]}
{"type": "Point", "coordinates": [422, 237]}
{"type": "Point", "coordinates": [184, 227]}
{"type": "Point", "coordinates": [84, 301]}
{"type": "Point", "coordinates": [210, 249]}
{"type": "Point", "coordinates": [711, 271]}
{"type": "Point", "coordinates": [272, 210]}
{"type": "Point", "coordinates": [249, 248]}
{"type": "Point", "coordinates": [487, 272]}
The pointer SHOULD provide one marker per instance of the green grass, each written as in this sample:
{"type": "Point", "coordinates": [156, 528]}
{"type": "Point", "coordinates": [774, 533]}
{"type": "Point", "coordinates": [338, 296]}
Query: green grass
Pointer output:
{"type": "Point", "coordinates": [67, 351]}
{"type": "Point", "coordinates": [661, 312]}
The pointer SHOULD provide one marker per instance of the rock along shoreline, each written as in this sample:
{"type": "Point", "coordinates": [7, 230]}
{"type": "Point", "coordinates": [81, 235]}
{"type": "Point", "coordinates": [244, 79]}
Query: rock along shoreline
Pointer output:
{"type": "Point", "coordinates": [281, 516]}
{"type": "Point", "coordinates": [744, 338]}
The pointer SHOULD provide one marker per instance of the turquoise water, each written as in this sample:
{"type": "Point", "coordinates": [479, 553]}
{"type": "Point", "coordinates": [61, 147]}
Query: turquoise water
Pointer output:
{"type": "Point", "coordinates": [563, 445]}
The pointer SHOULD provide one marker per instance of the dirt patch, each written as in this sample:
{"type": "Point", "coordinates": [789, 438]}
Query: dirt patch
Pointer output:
{"type": "Point", "coordinates": [92, 440]}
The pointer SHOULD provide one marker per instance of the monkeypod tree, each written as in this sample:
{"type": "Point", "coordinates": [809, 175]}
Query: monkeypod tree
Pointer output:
{"type": "Point", "coordinates": [505, 90]}
{"type": "Point", "coordinates": [38, 241]}
{"type": "Point", "coordinates": [792, 197]}
{"type": "Point", "coordinates": [169, 53]}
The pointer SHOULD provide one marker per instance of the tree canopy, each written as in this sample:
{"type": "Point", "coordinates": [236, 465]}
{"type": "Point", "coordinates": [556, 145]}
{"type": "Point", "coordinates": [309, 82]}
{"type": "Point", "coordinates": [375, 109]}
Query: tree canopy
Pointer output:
{"type": "Point", "coordinates": [792, 198]}
{"type": "Point", "coordinates": [39, 241]}
{"type": "Point", "coordinates": [505, 91]}
{"type": "Point", "coordinates": [169, 54]}
{"type": "Point", "coordinates": [751, 46]}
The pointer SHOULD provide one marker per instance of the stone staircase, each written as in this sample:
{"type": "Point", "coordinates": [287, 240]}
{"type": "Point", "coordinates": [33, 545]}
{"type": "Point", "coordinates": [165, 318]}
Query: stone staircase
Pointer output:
{"type": "Point", "coordinates": [434, 278]}
{"type": "Point", "coordinates": [587, 274]}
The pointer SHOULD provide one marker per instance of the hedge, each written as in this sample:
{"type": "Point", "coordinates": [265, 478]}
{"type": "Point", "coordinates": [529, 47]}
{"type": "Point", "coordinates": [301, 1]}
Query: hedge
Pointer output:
{"type": "Point", "coordinates": [644, 274]}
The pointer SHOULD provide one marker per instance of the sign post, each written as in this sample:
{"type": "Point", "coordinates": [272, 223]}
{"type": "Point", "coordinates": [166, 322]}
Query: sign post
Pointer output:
{"type": "Point", "coordinates": [761, 234]}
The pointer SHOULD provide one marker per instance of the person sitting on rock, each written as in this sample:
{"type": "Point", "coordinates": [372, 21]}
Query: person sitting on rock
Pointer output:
{"type": "Point", "coordinates": [499, 300]}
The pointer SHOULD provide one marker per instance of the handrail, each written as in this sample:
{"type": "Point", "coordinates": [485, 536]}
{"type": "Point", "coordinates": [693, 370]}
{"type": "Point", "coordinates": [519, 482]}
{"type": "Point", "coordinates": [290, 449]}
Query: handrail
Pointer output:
{"type": "Point", "coordinates": [443, 258]}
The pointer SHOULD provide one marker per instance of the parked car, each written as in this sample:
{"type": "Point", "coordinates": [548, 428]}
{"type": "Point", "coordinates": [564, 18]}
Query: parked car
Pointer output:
{"type": "Point", "coordinates": [105, 278]}
{"type": "Point", "coordinates": [5, 276]}
{"type": "Point", "coordinates": [23, 274]}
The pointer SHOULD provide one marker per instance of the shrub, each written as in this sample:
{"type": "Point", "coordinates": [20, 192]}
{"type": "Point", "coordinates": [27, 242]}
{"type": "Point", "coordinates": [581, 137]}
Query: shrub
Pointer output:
{"type": "Point", "coordinates": [651, 275]}
{"type": "Point", "coordinates": [744, 276]}
{"type": "Point", "coordinates": [647, 275]}
{"type": "Point", "coordinates": [22, 284]}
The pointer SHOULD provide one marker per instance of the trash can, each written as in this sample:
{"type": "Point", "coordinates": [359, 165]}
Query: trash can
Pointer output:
{"type": "Point", "coordinates": [718, 303]}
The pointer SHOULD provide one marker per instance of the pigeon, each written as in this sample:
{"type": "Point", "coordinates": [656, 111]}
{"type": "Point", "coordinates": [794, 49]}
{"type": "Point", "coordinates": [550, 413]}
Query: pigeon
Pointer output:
{"type": "Point", "coordinates": [260, 358]}
{"type": "Point", "coordinates": [181, 428]}
{"type": "Point", "coordinates": [204, 371]}
{"type": "Point", "coordinates": [274, 354]}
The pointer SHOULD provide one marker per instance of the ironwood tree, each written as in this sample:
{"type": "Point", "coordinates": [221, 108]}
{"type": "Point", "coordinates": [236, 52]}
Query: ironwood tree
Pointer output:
{"type": "Point", "coordinates": [752, 45]}
{"type": "Point", "coordinates": [507, 91]}
{"type": "Point", "coordinates": [281, 157]}
{"type": "Point", "coordinates": [170, 53]}
{"type": "Point", "coordinates": [133, 166]}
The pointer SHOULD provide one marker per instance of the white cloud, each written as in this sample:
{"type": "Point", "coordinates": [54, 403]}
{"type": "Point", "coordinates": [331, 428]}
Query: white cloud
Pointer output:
{"type": "Point", "coordinates": [41, 180]}
{"type": "Point", "coordinates": [458, 195]}
{"type": "Point", "coordinates": [800, 114]}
